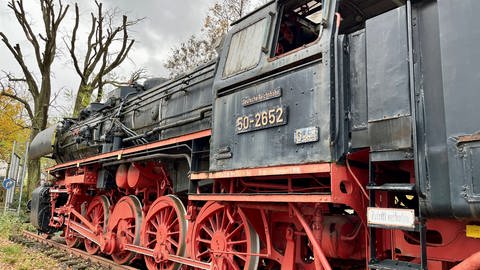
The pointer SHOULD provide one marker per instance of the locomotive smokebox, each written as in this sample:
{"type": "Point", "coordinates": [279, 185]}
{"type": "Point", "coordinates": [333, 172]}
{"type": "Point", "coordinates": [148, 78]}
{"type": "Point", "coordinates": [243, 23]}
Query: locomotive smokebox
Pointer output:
{"type": "Point", "coordinates": [42, 144]}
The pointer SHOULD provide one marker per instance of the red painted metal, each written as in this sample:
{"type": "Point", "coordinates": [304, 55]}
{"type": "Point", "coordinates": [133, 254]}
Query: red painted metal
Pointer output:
{"type": "Point", "coordinates": [148, 175]}
{"type": "Point", "coordinates": [446, 241]}
{"type": "Point", "coordinates": [471, 263]}
{"type": "Point", "coordinates": [79, 218]}
{"type": "Point", "coordinates": [267, 171]}
{"type": "Point", "coordinates": [318, 251]}
{"type": "Point", "coordinates": [83, 175]}
{"type": "Point", "coordinates": [341, 237]}
{"type": "Point", "coordinates": [97, 214]}
{"type": "Point", "coordinates": [80, 229]}
{"type": "Point", "coordinates": [164, 232]}
{"type": "Point", "coordinates": [72, 238]}
{"type": "Point", "coordinates": [223, 236]}
{"type": "Point", "coordinates": [264, 198]}
{"type": "Point", "coordinates": [123, 228]}
{"type": "Point", "coordinates": [121, 176]}
{"type": "Point", "coordinates": [137, 179]}
{"type": "Point", "coordinates": [173, 258]}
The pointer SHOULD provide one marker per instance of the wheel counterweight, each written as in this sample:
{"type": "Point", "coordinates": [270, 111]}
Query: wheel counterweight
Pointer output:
{"type": "Point", "coordinates": [125, 223]}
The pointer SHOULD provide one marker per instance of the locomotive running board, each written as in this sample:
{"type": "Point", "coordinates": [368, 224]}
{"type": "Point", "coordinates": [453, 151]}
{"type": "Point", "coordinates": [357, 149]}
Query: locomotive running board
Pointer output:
{"type": "Point", "coordinates": [265, 171]}
{"type": "Point", "coordinates": [279, 197]}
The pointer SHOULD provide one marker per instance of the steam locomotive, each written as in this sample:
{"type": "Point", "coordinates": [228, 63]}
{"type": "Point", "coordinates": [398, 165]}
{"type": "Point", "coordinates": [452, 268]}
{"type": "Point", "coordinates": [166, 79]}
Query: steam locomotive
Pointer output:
{"type": "Point", "coordinates": [326, 135]}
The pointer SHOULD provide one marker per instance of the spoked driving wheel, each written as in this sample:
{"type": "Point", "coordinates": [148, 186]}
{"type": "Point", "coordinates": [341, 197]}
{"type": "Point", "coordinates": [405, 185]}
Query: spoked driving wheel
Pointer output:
{"type": "Point", "coordinates": [223, 236]}
{"type": "Point", "coordinates": [97, 213]}
{"type": "Point", "coordinates": [164, 231]}
{"type": "Point", "coordinates": [125, 222]}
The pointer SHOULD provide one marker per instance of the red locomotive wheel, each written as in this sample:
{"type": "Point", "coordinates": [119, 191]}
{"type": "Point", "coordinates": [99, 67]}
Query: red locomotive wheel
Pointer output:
{"type": "Point", "coordinates": [97, 213]}
{"type": "Point", "coordinates": [164, 231]}
{"type": "Point", "coordinates": [72, 238]}
{"type": "Point", "coordinates": [125, 222]}
{"type": "Point", "coordinates": [223, 236]}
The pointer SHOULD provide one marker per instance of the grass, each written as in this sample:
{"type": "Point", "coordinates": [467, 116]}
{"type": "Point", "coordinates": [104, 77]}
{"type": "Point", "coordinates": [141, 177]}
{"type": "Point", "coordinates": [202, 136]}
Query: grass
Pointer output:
{"type": "Point", "coordinates": [15, 256]}
{"type": "Point", "coordinates": [11, 253]}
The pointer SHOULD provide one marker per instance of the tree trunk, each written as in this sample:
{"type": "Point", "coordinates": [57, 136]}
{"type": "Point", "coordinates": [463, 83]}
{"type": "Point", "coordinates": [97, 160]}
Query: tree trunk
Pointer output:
{"type": "Point", "coordinates": [33, 179]}
{"type": "Point", "coordinates": [38, 124]}
{"type": "Point", "coordinates": [84, 95]}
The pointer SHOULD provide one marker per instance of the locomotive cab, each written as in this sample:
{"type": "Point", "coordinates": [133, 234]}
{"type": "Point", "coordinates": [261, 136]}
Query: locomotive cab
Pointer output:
{"type": "Point", "coordinates": [272, 90]}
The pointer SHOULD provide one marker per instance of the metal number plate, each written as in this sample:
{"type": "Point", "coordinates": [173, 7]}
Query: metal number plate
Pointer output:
{"type": "Point", "coordinates": [271, 117]}
{"type": "Point", "coordinates": [392, 217]}
{"type": "Point", "coordinates": [306, 135]}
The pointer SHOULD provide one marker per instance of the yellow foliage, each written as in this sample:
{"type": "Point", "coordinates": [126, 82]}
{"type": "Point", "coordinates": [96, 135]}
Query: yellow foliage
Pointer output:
{"type": "Point", "coordinates": [12, 126]}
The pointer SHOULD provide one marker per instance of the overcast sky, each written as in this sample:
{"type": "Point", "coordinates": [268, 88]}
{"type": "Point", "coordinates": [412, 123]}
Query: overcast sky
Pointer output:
{"type": "Point", "coordinates": [166, 24]}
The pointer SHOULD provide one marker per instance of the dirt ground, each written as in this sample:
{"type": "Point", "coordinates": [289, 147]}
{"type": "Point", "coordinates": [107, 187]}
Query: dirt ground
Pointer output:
{"type": "Point", "coordinates": [17, 257]}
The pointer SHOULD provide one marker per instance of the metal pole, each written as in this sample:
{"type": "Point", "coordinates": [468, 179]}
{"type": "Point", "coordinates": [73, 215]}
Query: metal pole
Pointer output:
{"type": "Point", "coordinates": [14, 177]}
{"type": "Point", "coordinates": [9, 173]}
{"type": "Point", "coordinates": [22, 177]}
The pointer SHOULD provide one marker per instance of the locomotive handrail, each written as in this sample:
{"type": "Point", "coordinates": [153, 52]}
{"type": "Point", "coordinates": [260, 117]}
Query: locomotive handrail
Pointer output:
{"type": "Point", "coordinates": [174, 124]}
{"type": "Point", "coordinates": [153, 156]}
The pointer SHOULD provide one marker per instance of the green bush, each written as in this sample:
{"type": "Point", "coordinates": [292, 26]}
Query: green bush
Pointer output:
{"type": "Point", "coordinates": [11, 224]}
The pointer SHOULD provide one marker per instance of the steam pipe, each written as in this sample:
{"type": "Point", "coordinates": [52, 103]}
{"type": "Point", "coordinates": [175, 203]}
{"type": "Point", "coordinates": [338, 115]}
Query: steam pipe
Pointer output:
{"type": "Point", "coordinates": [175, 124]}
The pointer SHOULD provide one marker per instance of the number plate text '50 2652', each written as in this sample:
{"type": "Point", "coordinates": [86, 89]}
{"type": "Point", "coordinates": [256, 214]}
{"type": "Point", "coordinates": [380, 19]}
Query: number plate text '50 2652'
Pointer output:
{"type": "Point", "coordinates": [271, 117]}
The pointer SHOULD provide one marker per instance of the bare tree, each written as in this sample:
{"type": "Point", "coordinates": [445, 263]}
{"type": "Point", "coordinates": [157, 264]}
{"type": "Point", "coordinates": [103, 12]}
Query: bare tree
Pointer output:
{"type": "Point", "coordinates": [188, 55]}
{"type": "Point", "coordinates": [199, 49]}
{"type": "Point", "coordinates": [44, 46]}
{"type": "Point", "coordinates": [100, 58]}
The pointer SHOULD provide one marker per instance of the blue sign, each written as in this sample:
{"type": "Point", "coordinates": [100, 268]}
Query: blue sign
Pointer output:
{"type": "Point", "coordinates": [8, 183]}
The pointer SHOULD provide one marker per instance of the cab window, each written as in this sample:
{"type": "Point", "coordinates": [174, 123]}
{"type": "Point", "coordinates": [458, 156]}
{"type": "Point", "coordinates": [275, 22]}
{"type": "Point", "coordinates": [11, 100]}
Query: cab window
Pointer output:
{"type": "Point", "coordinates": [299, 25]}
{"type": "Point", "coordinates": [245, 48]}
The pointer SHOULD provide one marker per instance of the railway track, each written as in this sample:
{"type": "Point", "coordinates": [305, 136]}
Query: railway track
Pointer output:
{"type": "Point", "coordinates": [70, 258]}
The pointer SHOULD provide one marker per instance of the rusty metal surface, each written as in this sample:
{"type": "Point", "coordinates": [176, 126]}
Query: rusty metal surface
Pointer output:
{"type": "Point", "coordinates": [76, 252]}
{"type": "Point", "coordinates": [469, 138]}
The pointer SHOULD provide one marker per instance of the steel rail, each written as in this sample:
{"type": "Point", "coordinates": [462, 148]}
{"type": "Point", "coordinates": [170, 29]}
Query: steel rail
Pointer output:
{"type": "Point", "coordinates": [76, 252]}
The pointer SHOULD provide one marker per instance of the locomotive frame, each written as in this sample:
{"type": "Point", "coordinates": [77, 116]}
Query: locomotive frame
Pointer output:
{"type": "Point", "coordinates": [331, 149]}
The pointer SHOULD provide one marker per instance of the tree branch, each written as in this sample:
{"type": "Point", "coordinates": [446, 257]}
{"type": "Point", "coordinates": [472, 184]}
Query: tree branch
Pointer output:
{"type": "Point", "coordinates": [21, 100]}
{"type": "Point", "coordinates": [17, 54]}
{"type": "Point", "coordinates": [71, 49]}
{"type": "Point", "coordinates": [17, 7]}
